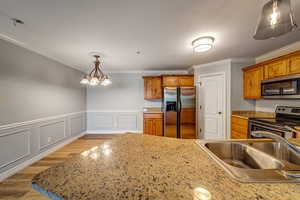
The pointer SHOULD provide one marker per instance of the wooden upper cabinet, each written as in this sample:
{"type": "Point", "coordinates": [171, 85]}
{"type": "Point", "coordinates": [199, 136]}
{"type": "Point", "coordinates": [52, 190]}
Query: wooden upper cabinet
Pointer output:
{"type": "Point", "coordinates": [178, 80]}
{"type": "Point", "coordinates": [293, 65]}
{"type": "Point", "coordinates": [170, 81]}
{"type": "Point", "coordinates": [186, 81]}
{"type": "Point", "coordinates": [276, 69]}
{"type": "Point", "coordinates": [252, 82]}
{"type": "Point", "coordinates": [152, 87]}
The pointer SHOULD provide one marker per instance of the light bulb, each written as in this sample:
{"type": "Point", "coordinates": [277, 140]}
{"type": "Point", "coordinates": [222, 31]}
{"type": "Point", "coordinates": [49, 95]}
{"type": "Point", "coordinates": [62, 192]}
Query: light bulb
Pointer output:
{"type": "Point", "coordinates": [94, 81]}
{"type": "Point", "coordinates": [85, 81]}
{"type": "Point", "coordinates": [106, 82]}
{"type": "Point", "coordinates": [274, 17]}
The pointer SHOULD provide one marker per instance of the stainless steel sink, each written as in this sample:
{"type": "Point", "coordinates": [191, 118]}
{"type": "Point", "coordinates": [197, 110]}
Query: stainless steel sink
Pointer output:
{"type": "Point", "coordinates": [254, 160]}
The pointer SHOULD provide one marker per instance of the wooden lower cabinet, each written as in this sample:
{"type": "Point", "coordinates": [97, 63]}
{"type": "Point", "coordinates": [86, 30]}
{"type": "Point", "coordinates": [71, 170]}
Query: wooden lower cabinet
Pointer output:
{"type": "Point", "coordinates": [239, 128]}
{"type": "Point", "coordinates": [154, 124]}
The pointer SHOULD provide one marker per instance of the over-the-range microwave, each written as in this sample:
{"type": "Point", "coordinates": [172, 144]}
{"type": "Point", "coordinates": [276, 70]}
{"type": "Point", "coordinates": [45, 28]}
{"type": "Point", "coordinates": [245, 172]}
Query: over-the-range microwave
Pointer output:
{"type": "Point", "coordinates": [287, 87]}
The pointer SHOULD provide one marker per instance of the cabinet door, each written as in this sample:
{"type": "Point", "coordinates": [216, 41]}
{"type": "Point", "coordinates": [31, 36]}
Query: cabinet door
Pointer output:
{"type": "Point", "coordinates": [239, 128]}
{"type": "Point", "coordinates": [147, 88]}
{"type": "Point", "coordinates": [276, 69]}
{"type": "Point", "coordinates": [158, 127]}
{"type": "Point", "coordinates": [186, 81]}
{"type": "Point", "coordinates": [252, 83]}
{"type": "Point", "coordinates": [152, 88]}
{"type": "Point", "coordinates": [294, 65]}
{"type": "Point", "coordinates": [170, 81]}
{"type": "Point", "coordinates": [156, 89]}
{"type": "Point", "coordinates": [148, 126]}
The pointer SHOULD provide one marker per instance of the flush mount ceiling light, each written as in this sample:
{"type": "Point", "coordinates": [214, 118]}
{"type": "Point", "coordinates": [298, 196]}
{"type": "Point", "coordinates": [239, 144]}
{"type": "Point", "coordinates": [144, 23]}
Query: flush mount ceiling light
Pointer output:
{"type": "Point", "coordinates": [203, 44]}
{"type": "Point", "coordinates": [276, 19]}
{"type": "Point", "coordinates": [96, 76]}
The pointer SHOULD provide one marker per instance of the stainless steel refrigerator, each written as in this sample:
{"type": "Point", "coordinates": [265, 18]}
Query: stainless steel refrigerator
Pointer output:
{"type": "Point", "coordinates": [180, 112]}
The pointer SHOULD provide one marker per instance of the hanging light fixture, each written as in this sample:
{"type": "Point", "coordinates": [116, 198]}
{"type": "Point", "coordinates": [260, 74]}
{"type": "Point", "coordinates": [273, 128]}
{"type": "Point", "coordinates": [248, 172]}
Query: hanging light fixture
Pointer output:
{"type": "Point", "coordinates": [96, 76]}
{"type": "Point", "coordinates": [203, 44]}
{"type": "Point", "coordinates": [276, 19]}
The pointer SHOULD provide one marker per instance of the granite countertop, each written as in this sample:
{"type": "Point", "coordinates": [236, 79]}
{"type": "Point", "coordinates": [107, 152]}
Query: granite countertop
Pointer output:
{"type": "Point", "coordinates": [253, 114]}
{"type": "Point", "coordinates": [135, 166]}
{"type": "Point", "coordinates": [153, 110]}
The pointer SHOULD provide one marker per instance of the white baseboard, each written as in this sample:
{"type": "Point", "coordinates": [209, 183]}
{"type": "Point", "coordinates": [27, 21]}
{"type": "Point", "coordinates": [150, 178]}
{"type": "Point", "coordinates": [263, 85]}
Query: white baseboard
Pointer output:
{"type": "Point", "coordinates": [36, 158]}
{"type": "Point", "coordinates": [112, 131]}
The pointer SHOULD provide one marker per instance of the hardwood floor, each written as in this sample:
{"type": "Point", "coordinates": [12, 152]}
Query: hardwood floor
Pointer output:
{"type": "Point", "coordinates": [18, 186]}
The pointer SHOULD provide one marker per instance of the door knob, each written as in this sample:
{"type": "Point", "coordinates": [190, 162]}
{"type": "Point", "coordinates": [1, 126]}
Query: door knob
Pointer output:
{"type": "Point", "coordinates": [219, 113]}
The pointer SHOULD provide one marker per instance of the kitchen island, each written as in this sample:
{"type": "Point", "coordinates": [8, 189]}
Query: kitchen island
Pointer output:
{"type": "Point", "coordinates": [134, 166]}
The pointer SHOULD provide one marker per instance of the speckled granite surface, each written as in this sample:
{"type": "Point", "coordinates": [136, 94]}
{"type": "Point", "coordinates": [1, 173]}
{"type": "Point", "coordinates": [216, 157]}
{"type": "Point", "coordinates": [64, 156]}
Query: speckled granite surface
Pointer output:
{"type": "Point", "coordinates": [150, 167]}
{"type": "Point", "coordinates": [253, 114]}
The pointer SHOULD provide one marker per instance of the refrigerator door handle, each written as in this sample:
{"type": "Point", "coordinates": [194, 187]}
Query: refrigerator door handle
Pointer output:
{"type": "Point", "coordinates": [179, 106]}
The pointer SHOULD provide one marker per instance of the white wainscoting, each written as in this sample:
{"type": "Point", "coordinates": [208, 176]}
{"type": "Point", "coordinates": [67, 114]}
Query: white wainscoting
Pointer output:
{"type": "Point", "coordinates": [121, 121]}
{"type": "Point", "coordinates": [23, 143]}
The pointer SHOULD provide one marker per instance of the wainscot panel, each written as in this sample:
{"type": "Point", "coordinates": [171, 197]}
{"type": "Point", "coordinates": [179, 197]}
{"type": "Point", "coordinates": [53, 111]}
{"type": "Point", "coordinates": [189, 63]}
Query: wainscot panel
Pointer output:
{"type": "Point", "coordinates": [52, 133]}
{"type": "Point", "coordinates": [14, 146]}
{"type": "Point", "coordinates": [114, 121]}
{"type": "Point", "coordinates": [23, 143]}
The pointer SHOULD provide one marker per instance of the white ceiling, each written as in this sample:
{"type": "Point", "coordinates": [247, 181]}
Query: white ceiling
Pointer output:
{"type": "Point", "coordinates": [162, 30]}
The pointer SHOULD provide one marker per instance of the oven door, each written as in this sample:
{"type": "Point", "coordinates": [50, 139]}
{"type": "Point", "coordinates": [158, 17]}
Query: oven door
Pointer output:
{"type": "Point", "coordinates": [255, 126]}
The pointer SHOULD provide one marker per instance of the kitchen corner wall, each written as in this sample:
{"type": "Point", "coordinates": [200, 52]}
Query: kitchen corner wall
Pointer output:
{"type": "Point", "coordinates": [119, 107]}
{"type": "Point", "coordinates": [234, 84]}
{"type": "Point", "coordinates": [42, 106]}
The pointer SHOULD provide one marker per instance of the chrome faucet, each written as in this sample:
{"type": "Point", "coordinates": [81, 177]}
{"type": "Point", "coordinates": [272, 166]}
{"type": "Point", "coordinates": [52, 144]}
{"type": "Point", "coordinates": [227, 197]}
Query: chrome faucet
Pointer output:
{"type": "Point", "coordinates": [289, 173]}
{"type": "Point", "coordinates": [277, 138]}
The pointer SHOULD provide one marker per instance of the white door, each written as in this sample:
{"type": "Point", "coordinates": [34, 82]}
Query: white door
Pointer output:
{"type": "Point", "coordinates": [211, 107]}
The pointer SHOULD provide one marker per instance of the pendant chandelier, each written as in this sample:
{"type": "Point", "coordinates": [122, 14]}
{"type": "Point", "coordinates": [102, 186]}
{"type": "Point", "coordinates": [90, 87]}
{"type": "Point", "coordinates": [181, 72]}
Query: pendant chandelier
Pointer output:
{"type": "Point", "coordinates": [276, 19]}
{"type": "Point", "coordinates": [96, 76]}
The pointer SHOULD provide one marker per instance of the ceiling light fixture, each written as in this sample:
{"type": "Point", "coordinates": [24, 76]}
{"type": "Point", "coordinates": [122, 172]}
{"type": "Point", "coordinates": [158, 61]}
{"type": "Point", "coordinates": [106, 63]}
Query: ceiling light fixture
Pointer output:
{"type": "Point", "coordinates": [96, 76]}
{"type": "Point", "coordinates": [203, 44]}
{"type": "Point", "coordinates": [276, 19]}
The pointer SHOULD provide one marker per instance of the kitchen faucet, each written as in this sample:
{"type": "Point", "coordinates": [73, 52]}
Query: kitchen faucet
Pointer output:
{"type": "Point", "coordinates": [276, 138]}
{"type": "Point", "coordinates": [289, 173]}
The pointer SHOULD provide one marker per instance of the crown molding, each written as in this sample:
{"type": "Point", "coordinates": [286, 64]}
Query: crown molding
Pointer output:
{"type": "Point", "coordinates": [278, 52]}
{"type": "Point", "coordinates": [37, 51]}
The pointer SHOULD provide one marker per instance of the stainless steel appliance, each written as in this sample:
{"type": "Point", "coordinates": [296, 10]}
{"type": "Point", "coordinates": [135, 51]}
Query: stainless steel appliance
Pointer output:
{"type": "Point", "coordinates": [287, 118]}
{"type": "Point", "coordinates": [180, 112]}
{"type": "Point", "coordinates": [287, 87]}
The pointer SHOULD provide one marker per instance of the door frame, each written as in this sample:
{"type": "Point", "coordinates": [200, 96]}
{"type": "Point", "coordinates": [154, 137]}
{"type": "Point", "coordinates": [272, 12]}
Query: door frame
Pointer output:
{"type": "Point", "coordinates": [226, 93]}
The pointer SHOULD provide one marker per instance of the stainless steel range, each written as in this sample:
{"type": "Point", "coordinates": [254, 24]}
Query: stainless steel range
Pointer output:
{"type": "Point", "coordinates": [287, 118]}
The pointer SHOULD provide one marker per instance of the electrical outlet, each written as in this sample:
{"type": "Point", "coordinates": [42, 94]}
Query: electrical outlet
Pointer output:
{"type": "Point", "coordinates": [49, 139]}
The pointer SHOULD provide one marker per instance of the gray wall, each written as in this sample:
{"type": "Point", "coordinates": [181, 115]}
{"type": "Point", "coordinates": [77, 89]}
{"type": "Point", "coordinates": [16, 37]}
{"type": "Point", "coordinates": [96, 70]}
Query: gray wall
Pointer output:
{"type": "Point", "coordinates": [117, 107]}
{"type": "Point", "coordinates": [42, 105]}
{"type": "Point", "coordinates": [32, 86]}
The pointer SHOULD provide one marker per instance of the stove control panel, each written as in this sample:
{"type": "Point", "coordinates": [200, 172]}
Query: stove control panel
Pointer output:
{"type": "Point", "coordinates": [288, 110]}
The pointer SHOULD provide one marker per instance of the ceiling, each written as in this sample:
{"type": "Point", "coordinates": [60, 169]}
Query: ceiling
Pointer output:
{"type": "Point", "coordinates": [162, 30]}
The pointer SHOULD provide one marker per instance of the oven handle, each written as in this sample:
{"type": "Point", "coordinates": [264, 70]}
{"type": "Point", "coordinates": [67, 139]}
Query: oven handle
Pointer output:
{"type": "Point", "coordinates": [273, 129]}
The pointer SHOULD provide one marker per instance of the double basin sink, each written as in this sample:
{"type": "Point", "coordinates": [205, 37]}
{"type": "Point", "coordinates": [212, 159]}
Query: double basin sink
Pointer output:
{"type": "Point", "coordinates": [255, 161]}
